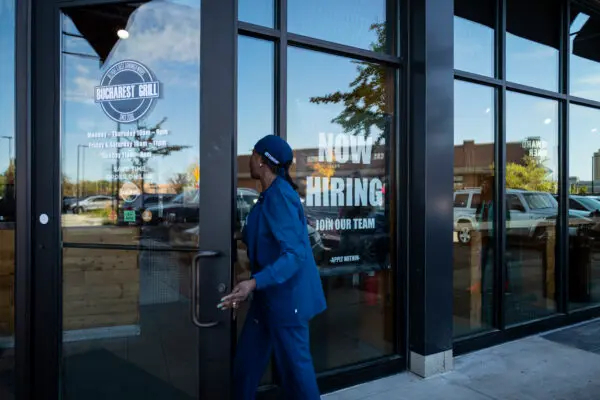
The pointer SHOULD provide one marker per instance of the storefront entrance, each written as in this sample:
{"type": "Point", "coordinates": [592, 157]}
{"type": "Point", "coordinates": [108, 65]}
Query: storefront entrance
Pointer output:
{"type": "Point", "coordinates": [134, 209]}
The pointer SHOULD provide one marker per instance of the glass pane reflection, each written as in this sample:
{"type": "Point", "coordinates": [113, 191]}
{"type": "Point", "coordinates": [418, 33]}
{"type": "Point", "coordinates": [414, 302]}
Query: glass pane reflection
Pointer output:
{"type": "Point", "coordinates": [358, 23]}
{"type": "Point", "coordinates": [585, 57]}
{"type": "Point", "coordinates": [532, 209]}
{"type": "Point", "coordinates": [259, 12]}
{"type": "Point", "coordinates": [130, 177]}
{"type": "Point", "coordinates": [584, 202]}
{"type": "Point", "coordinates": [474, 22]}
{"type": "Point", "coordinates": [256, 78]}
{"type": "Point", "coordinates": [339, 130]}
{"type": "Point", "coordinates": [7, 198]}
{"type": "Point", "coordinates": [532, 54]}
{"type": "Point", "coordinates": [474, 207]}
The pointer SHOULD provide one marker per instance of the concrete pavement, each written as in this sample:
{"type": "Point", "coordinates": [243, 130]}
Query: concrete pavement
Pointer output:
{"type": "Point", "coordinates": [561, 365]}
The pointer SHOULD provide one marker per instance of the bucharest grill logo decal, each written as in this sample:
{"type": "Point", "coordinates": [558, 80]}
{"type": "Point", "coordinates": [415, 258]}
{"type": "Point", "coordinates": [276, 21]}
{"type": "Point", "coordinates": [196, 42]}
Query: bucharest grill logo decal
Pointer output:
{"type": "Point", "coordinates": [127, 91]}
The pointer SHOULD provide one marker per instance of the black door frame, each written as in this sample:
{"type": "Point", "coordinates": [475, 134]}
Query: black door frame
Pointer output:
{"type": "Point", "coordinates": [38, 142]}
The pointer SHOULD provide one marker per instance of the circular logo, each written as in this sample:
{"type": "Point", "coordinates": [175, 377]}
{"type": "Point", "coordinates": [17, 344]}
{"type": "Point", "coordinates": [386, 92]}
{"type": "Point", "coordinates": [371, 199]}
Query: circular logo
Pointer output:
{"type": "Point", "coordinates": [129, 192]}
{"type": "Point", "coordinates": [147, 216]}
{"type": "Point", "coordinates": [127, 91]}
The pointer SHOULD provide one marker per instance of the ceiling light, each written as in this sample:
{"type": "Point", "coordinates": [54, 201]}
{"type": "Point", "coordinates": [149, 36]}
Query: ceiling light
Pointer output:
{"type": "Point", "coordinates": [123, 34]}
{"type": "Point", "coordinates": [547, 121]}
{"type": "Point", "coordinates": [594, 130]}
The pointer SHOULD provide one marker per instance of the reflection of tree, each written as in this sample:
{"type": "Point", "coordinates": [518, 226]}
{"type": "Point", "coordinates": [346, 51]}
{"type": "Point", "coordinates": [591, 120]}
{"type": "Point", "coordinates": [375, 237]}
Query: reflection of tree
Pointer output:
{"type": "Point", "coordinates": [179, 182]}
{"type": "Point", "coordinates": [152, 149]}
{"type": "Point", "coordinates": [366, 103]}
{"type": "Point", "coordinates": [531, 174]}
{"type": "Point", "coordinates": [579, 190]}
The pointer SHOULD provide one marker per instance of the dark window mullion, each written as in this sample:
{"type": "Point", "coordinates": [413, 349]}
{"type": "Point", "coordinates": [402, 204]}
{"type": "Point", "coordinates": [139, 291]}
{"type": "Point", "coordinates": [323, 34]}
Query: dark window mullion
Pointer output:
{"type": "Point", "coordinates": [281, 71]}
{"type": "Point", "coordinates": [500, 274]}
{"type": "Point", "coordinates": [562, 275]}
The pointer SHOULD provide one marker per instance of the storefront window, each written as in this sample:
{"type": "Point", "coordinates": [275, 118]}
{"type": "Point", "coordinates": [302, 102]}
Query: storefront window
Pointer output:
{"type": "Point", "coordinates": [7, 197]}
{"type": "Point", "coordinates": [532, 208]}
{"type": "Point", "coordinates": [532, 42]}
{"type": "Point", "coordinates": [258, 12]}
{"type": "Point", "coordinates": [130, 136]}
{"type": "Point", "coordinates": [339, 124]}
{"type": "Point", "coordinates": [474, 22]}
{"type": "Point", "coordinates": [585, 57]}
{"type": "Point", "coordinates": [584, 204]}
{"type": "Point", "coordinates": [256, 78]}
{"type": "Point", "coordinates": [357, 23]}
{"type": "Point", "coordinates": [474, 209]}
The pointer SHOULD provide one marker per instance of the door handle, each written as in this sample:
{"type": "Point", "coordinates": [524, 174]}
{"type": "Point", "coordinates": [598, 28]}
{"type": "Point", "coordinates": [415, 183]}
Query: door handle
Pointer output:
{"type": "Point", "coordinates": [195, 303]}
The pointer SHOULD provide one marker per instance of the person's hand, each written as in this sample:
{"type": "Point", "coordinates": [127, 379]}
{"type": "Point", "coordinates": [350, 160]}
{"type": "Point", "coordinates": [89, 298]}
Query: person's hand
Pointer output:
{"type": "Point", "coordinates": [239, 294]}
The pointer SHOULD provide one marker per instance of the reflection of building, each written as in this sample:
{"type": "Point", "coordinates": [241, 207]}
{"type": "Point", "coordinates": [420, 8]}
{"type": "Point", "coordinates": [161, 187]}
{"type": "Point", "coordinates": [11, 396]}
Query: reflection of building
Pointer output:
{"type": "Point", "coordinates": [472, 162]}
{"type": "Point", "coordinates": [307, 164]}
{"type": "Point", "coordinates": [596, 166]}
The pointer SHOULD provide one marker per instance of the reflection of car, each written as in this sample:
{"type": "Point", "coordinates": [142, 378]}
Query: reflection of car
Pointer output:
{"type": "Point", "coordinates": [141, 203]}
{"type": "Point", "coordinates": [465, 203]}
{"type": "Point", "coordinates": [91, 203]}
{"type": "Point", "coordinates": [184, 209]}
{"type": "Point", "coordinates": [68, 201]}
{"type": "Point", "coordinates": [530, 212]}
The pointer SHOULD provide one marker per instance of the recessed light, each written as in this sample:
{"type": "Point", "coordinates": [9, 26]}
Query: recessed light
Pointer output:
{"type": "Point", "coordinates": [123, 34]}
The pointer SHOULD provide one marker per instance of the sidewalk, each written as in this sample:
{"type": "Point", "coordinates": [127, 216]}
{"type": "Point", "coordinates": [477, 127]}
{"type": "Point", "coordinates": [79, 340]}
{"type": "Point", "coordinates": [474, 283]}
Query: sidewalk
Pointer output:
{"type": "Point", "coordinates": [563, 364]}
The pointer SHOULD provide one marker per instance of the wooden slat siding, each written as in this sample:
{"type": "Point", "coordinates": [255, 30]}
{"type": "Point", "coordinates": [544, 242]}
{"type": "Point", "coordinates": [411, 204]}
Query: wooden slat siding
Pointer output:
{"type": "Point", "coordinates": [7, 281]}
{"type": "Point", "coordinates": [101, 287]}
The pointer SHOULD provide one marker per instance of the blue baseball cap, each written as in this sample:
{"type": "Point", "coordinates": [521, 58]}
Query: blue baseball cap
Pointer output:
{"type": "Point", "coordinates": [275, 149]}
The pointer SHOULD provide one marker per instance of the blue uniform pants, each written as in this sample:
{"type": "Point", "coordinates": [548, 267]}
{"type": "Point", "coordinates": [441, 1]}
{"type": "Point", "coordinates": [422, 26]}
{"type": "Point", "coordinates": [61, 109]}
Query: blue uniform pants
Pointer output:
{"type": "Point", "coordinates": [292, 355]}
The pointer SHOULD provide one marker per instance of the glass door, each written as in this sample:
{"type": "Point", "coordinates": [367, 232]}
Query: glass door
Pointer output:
{"type": "Point", "coordinates": [145, 231]}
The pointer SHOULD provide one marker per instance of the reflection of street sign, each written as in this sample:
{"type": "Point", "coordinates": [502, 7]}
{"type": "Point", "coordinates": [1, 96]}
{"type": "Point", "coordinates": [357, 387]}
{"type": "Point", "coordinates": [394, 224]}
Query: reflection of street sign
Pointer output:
{"type": "Point", "coordinates": [129, 216]}
{"type": "Point", "coordinates": [147, 216]}
{"type": "Point", "coordinates": [129, 192]}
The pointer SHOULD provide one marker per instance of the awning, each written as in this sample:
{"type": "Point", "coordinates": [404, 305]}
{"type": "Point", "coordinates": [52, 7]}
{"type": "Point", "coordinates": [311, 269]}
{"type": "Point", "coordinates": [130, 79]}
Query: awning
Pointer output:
{"type": "Point", "coordinates": [99, 24]}
{"type": "Point", "coordinates": [539, 21]}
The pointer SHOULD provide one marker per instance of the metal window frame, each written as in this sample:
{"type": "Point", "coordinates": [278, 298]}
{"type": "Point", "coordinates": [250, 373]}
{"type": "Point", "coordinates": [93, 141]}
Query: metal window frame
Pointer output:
{"type": "Point", "coordinates": [39, 318]}
{"type": "Point", "coordinates": [38, 283]}
{"type": "Point", "coordinates": [563, 315]}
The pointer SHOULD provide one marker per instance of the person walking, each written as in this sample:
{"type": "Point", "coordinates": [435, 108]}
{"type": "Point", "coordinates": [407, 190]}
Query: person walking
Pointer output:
{"type": "Point", "coordinates": [285, 285]}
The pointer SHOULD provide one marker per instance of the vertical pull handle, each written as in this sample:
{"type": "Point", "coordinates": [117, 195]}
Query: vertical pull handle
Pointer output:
{"type": "Point", "coordinates": [195, 303]}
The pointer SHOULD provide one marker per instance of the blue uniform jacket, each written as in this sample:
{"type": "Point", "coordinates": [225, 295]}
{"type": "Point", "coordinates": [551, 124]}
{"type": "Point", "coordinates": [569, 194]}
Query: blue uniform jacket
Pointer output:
{"type": "Point", "coordinates": [288, 285]}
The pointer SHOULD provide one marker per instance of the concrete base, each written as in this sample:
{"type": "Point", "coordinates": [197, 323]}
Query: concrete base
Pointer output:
{"type": "Point", "coordinates": [433, 364]}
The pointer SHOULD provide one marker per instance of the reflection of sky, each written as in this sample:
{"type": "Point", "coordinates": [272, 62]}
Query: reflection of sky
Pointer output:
{"type": "Point", "coordinates": [7, 74]}
{"type": "Point", "coordinates": [166, 39]}
{"type": "Point", "coordinates": [531, 64]}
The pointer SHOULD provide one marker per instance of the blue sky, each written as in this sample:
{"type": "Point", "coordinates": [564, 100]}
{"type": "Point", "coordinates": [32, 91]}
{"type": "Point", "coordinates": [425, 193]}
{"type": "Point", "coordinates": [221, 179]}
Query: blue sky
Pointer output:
{"type": "Point", "coordinates": [171, 51]}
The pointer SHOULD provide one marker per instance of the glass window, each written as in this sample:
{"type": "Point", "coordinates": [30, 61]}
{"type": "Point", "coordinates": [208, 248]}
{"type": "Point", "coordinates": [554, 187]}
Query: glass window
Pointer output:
{"type": "Point", "coordinates": [339, 130]}
{"type": "Point", "coordinates": [259, 12]}
{"type": "Point", "coordinates": [126, 310]}
{"type": "Point", "coordinates": [585, 53]}
{"type": "Point", "coordinates": [256, 77]}
{"type": "Point", "coordinates": [461, 200]}
{"type": "Point", "coordinates": [584, 207]}
{"type": "Point", "coordinates": [474, 22]}
{"type": "Point", "coordinates": [358, 23]}
{"type": "Point", "coordinates": [531, 182]}
{"type": "Point", "coordinates": [473, 234]}
{"type": "Point", "coordinates": [7, 197]}
{"type": "Point", "coordinates": [532, 42]}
